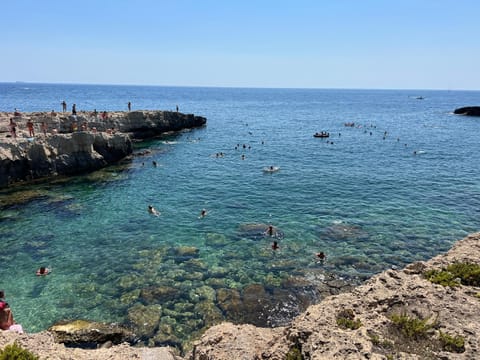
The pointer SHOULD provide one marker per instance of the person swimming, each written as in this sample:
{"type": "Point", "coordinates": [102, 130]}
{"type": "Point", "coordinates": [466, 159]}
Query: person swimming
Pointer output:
{"type": "Point", "coordinates": [42, 271]}
{"type": "Point", "coordinates": [203, 213]}
{"type": "Point", "coordinates": [275, 245]}
{"type": "Point", "coordinates": [153, 211]}
{"type": "Point", "coordinates": [321, 256]}
{"type": "Point", "coordinates": [270, 231]}
{"type": "Point", "coordinates": [271, 169]}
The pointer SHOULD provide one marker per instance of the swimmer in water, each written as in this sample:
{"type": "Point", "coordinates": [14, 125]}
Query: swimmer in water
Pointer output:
{"type": "Point", "coordinates": [275, 245]}
{"type": "Point", "coordinates": [42, 271]}
{"type": "Point", "coordinates": [153, 211]}
{"type": "Point", "coordinates": [321, 256]}
{"type": "Point", "coordinates": [203, 213]}
{"type": "Point", "coordinates": [269, 231]}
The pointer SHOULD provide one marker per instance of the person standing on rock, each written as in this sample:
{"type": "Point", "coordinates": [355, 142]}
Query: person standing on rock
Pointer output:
{"type": "Point", "coordinates": [13, 128]}
{"type": "Point", "coordinates": [129, 106]}
{"type": "Point", "coordinates": [31, 131]}
{"type": "Point", "coordinates": [43, 127]}
{"type": "Point", "coordinates": [74, 109]}
{"type": "Point", "coordinates": [64, 106]}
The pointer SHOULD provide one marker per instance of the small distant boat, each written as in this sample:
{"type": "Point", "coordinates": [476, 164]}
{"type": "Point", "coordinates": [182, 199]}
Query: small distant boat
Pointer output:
{"type": "Point", "coordinates": [419, 98]}
{"type": "Point", "coordinates": [322, 134]}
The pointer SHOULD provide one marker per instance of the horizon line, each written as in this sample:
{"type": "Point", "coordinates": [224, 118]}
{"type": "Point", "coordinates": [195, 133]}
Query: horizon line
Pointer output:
{"type": "Point", "coordinates": [233, 87]}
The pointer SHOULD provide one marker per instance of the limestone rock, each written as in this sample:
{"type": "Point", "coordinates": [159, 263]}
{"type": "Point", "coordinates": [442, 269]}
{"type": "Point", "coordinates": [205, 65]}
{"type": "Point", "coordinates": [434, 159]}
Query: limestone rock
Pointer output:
{"type": "Point", "coordinates": [84, 333]}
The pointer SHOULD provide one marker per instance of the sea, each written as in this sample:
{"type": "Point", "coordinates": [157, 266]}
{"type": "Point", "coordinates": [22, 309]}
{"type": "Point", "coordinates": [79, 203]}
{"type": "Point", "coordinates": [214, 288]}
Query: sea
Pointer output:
{"type": "Point", "coordinates": [397, 181]}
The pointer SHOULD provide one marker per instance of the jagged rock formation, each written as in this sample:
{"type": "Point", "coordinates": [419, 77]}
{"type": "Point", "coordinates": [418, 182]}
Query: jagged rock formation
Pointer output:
{"type": "Point", "coordinates": [468, 110]}
{"type": "Point", "coordinates": [78, 143]}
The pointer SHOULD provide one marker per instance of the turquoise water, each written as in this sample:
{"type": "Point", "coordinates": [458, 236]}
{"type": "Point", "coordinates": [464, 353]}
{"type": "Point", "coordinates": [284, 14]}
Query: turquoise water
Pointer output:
{"type": "Point", "coordinates": [361, 196]}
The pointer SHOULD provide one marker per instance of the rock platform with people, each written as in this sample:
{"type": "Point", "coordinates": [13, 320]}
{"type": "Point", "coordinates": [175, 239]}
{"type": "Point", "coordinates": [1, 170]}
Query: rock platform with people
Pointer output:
{"type": "Point", "coordinates": [41, 144]}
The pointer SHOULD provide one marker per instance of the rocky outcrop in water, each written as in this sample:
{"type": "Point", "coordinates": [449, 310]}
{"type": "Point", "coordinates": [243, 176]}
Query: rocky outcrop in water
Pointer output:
{"type": "Point", "coordinates": [67, 144]}
{"type": "Point", "coordinates": [468, 110]}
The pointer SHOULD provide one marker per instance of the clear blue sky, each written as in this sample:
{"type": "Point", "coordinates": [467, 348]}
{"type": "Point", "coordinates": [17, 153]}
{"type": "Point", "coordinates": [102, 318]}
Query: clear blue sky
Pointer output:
{"type": "Point", "coordinates": [390, 44]}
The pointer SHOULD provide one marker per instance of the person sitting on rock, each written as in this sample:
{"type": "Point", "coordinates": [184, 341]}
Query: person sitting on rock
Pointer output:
{"type": "Point", "coordinates": [6, 319]}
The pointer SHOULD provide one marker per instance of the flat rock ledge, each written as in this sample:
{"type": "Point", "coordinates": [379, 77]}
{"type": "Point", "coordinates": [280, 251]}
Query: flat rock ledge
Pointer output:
{"type": "Point", "coordinates": [315, 334]}
{"type": "Point", "coordinates": [66, 144]}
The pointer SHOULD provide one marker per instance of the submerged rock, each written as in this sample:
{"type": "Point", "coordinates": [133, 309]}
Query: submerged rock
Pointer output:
{"type": "Point", "coordinates": [258, 231]}
{"type": "Point", "coordinates": [159, 294]}
{"type": "Point", "coordinates": [144, 319]}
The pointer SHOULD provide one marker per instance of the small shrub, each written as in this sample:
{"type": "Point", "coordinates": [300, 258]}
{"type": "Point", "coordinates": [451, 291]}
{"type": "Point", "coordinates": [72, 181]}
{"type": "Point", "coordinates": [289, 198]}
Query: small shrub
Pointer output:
{"type": "Point", "coordinates": [346, 320]}
{"type": "Point", "coordinates": [452, 343]}
{"type": "Point", "coordinates": [384, 344]}
{"type": "Point", "coordinates": [411, 327]}
{"type": "Point", "coordinates": [467, 273]}
{"type": "Point", "coordinates": [294, 354]}
{"type": "Point", "coordinates": [16, 352]}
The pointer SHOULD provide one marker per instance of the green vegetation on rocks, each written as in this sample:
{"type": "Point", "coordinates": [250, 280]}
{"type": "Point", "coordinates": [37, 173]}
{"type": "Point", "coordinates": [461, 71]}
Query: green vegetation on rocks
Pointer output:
{"type": "Point", "coordinates": [16, 352]}
{"type": "Point", "coordinates": [346, 320]}
{"type": "Point", "coordinates": [456, 274]}
{"type": "Point", "coordinates": [411, 327]}
{"type": "Point", "coordinates": [452, 343]}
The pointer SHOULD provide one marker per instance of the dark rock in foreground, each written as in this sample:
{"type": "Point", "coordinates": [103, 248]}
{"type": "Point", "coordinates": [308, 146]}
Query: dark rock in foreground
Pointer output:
{"type": "Point", "coordinates": [468, 110]}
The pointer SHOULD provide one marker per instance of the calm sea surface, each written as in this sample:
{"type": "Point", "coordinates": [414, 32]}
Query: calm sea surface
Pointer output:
{"type": "Point", "coordinates": [362, 196]}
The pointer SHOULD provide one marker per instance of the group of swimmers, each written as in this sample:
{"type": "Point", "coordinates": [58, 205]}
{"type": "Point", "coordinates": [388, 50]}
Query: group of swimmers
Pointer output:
{"type": "Point", "coordinates": [155, 212]}
{"type": "Point", "coordinates": [270, 231]}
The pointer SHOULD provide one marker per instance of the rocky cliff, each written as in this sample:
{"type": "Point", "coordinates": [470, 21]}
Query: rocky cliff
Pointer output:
{"type": "Point", "coordinates": [66, 144]}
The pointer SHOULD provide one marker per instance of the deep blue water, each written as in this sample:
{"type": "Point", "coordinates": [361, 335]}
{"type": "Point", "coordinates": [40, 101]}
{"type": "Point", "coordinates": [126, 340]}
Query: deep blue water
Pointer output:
{"type": "Point", "coordinates": [362, 196]}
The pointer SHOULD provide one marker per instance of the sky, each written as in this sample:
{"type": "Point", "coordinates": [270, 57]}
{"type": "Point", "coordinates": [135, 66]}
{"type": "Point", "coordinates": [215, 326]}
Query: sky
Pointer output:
{"type": "Point", "coordinates": [366, 44]}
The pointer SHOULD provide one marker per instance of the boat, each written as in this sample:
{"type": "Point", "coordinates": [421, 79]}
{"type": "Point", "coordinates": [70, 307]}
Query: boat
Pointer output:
{"type": "Point", "coordinates": [322, 134]}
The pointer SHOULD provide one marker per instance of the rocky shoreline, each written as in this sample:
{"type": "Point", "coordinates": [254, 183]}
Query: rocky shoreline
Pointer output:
{"type": "Point", "coordinates": [67, 144]}
{"type": "Point", "coordinates": [443, 323]}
